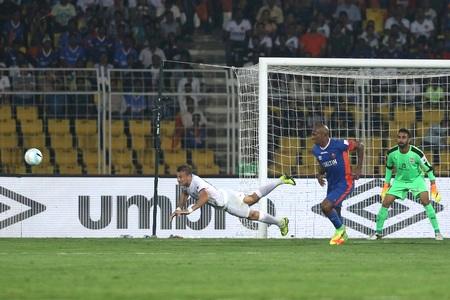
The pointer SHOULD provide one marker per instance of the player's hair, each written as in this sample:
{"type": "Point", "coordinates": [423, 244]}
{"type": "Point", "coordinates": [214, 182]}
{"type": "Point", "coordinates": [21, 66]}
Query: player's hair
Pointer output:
{"type": "Point", "coordinates": [185, 168]}
{"type": "Point", "coordinates": [404, 130]}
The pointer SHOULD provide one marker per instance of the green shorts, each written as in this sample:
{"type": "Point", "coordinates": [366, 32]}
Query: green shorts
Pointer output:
{"type": "Point", "coordinates": [400, 189]}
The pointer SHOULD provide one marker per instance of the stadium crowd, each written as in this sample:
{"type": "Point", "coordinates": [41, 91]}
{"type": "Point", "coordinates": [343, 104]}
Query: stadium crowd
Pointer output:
{"type": "Point", "coordinates": [130, 34]}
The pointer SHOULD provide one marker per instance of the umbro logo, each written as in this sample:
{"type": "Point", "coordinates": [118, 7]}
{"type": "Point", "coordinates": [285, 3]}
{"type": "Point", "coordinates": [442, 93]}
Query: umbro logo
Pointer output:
{"type": "Point", "coordinates": [9, 211]}
{"type": "Point", "coordinates": [364, 209]}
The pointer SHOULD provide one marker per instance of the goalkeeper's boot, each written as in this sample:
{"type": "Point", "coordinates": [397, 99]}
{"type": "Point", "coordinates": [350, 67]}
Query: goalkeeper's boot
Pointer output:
{"type": "Point", "coordinates": [375, 236]}
{"type": "Point", "coordinates": [438, 236]}
{"type": "Point", "coordinates": [339, 237]}
{"type": "Point", "coordinates": [284, 226]}
{"type": "Point", "coordinates": [286, 179]}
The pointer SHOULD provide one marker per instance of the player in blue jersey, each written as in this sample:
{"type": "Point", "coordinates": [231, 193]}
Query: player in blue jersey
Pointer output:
{"type": "Point", "coordinates": [334, 166]}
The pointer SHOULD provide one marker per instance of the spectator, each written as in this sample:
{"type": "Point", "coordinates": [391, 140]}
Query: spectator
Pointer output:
{"type": "Point", "coordinates": [340, 43]}
{"type": "Point", "coordinates": [313, 43]}
{"type": "Point", "coordinates": [187, 85]}
{"type": "Point", "coordinates": [5, 84]}
{"type": "Point", "coordinates": [134, 104]}
{"type": "Point", "coordinates": [429, 12]}
{"type": "Point", "coordinates": [72, 30]}
{"type": "Point", "coordinates": [283, 48]}
{"type": "Point", "coordinates": [72, 53]}
{"type": "Point", "coordinates": [62, 12]}
{"type": "Point", "coordinates": [408, 90]}
{"type": "Point", "coordinates": [397, 19]}
{"type": "Point", "coordinates": [195, 135]}
{"type": "Point", "coordinates": [170, 25]}
{"type": "Point", "coordinates": [434, 92]}
{"type": "Point", "coordinates": [14, 30]}
{"type": "Point", "coordinates": [47, 57]}
{"type": "Point", "coordinates": [370, 37]}
{"type": "Point", "coordinates": [422, 26]}
{"type": "Point", "coordinates": [126, 55]}
{"type": "Point", "coordinates": [270, 26]}
{"type": "Point", "coordinates": [276, 13]}
{"type": "Point", "coordinates": [99, 44]}
{"type": "Point", "coordinates": [391, 50]}
{"type": "Point", "coordinates": [398, 37]}
{"type": "Point", "coordinates": [147, 53]}
{"type": "Point", "coordinates": [322, 25]}
{"type": "Point", "coordinates": [363, 50]}
{"type": "Point", "coordinates": [353, 12]}
{"type": "Point", "coordinates": [236, 34]}
{"type": "Point", "coordinates": [260, 43]}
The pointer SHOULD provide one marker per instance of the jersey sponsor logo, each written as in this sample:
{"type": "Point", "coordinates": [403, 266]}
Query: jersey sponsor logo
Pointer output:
{"type": "Point", "coordinates": [333, 155]}
{"type": "Point", "coordinates": [320, 157]}
{"type": "Point", "coordinates": [412, 160]}
{"type": "Point", "coordinates": [329, 163]}
{"type": "Point", "coordinates": [400, 214]}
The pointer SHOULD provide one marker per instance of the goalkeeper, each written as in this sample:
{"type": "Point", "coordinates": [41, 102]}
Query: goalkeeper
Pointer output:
{"type": "Point", "coordinates": [410, 165]}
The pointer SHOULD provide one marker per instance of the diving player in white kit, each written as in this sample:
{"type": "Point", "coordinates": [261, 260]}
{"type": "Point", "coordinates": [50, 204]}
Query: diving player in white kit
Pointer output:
{"type": "Point", "coordinates": [234, 202]}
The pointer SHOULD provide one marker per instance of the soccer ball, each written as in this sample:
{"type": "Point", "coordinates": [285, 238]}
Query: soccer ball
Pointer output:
{"type": "Point", "coordinates": [33, 157]}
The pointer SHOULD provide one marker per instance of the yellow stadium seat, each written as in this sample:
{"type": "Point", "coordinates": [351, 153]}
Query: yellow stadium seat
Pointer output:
{"type": "Point", "coordinates": [43, 168]}
{"type": "Point", "coordinates": [11, 156]}
{"type": "Point", "coordinates": [169, 143]}
{"type": "Point", "coordinates": [124, 169]}
{"type": "Point", "coordinates": [430, 117]}
{"type": "Point", "coordinates": [175, 158]}
{"type": "Point", "coordinates": [289, 143]}
{"type": "Point", "coordinates": [146, 157]}
{"type": "Point", "coordinates": [405, 116]}
{"type": "Point", "coordinates": [307, 159]}
{"type": "Point", "coordinates": [8, 140]}
{"type": "Point", "coordinates": [7, 126]}
{"type": "Point", "coordinates": [31, 127]}
{"type": "Point", "coordinates": [66, 156]}
{"type": "Point", "coordinates": [202, 157]}
{"type": "Point", "coordinates": [34, 141]}
{"type": "Point", "coordinates": [70, 169]}
{"type": "Point", "coordinates": [149, 169]}
{"type": "Point", "coordinates": [92, 169]}
{"type": "Point", "coordinates": [139, 127]}
{"type": "Point", "coordinates": [86, 127]}
{"type": "Point", "coordinates": [121, 157]}
{"type": "Point", "coordinates": [61, 141]}
{"type": "Point", "coordinates": [285, 160]}
{"type": "Point", "coordinates": [14, 169]}
{"type": "Point", "coordinates": [90, 156]}
{"type": "Point", "coordinates": [58, 126]}
{"type": "Point", "coordinates": [5, 112]}
{"type": "Point", "coordinates": [87, 142]}
{"type": "Point", "coordinates": [305, 170]}
{"type": "Point", "coordinates": [208, 170]}
{"type": "Point", "coordinates": [119, 142]}
{"type": "Point", "coordinates": [168, 128]}
{"type": "Point", "coordinates": [27, 113]}
{"type": "Point", "coordinates": [116, 128]}
{"type": "Point", "coordinates": [139, 142]}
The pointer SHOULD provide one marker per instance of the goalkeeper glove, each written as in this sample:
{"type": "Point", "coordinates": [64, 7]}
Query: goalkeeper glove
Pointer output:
{"type": "Point", "coordinates": [386, 187]}
{"type": "Point", "coordinates": [435, 194]}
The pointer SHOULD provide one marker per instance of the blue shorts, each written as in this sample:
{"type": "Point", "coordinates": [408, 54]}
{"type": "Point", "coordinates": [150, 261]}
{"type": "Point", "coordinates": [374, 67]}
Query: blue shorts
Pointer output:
{"type": "Point", "coordinates": [338, 193]}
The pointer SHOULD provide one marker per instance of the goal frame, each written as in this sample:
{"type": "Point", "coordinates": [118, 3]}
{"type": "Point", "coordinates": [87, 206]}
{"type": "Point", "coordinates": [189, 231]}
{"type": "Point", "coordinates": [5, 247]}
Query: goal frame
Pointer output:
{"type": "Point", "coordinates": [263, 68]}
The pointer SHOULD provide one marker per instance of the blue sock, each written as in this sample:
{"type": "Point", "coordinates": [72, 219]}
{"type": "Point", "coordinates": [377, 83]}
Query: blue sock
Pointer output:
{"type": "Point", "coordinates": [338, 210]}
{"type": "Point", "coordinates": [334, 218]}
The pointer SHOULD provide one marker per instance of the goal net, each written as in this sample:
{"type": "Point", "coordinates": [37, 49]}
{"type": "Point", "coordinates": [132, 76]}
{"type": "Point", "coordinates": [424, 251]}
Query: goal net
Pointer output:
{"type": "Point", "coordinates": [370, 100]}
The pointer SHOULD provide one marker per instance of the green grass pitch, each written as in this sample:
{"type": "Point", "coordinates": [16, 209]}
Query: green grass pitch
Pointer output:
{"type": "Point", "coordinates": [223, 269]}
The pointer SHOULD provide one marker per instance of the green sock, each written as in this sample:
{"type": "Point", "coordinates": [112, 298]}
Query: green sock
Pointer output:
{"type": "Point", "coordinates": [381, 217]}
{"type": "Point", "coordinates": [432, 216]}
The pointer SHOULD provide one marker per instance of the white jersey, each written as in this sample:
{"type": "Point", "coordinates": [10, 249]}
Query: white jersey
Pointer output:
{"type": "Point", "coordinates": [215, 196]}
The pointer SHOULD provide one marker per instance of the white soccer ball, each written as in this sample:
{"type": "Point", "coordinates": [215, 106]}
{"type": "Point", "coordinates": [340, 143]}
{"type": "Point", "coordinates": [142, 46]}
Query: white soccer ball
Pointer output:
{"type": "Point", "coordinates": [33, 157]}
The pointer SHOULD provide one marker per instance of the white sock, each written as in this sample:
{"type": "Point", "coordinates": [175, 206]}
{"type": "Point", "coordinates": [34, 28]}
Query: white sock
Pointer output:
{"type": "Point", "coordinates": [268, 219]}
{"type": "Point", "coordinates": [266, 189]}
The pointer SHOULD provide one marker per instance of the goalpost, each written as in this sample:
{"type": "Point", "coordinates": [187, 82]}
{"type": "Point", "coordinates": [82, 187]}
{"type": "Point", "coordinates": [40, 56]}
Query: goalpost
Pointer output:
{"type": "Point", "coordinates": [368, 99]}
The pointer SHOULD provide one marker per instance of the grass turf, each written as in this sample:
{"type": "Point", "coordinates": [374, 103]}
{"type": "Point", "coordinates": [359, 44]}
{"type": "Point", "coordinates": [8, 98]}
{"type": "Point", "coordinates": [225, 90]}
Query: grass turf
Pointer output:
{"type": "Point", "coordinates": [223, 269]}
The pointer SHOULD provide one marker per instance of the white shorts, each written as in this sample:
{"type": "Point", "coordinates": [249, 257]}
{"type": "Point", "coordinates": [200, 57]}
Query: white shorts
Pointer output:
{"type": "Point", "coordinates": [235, 205]}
